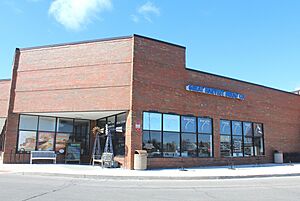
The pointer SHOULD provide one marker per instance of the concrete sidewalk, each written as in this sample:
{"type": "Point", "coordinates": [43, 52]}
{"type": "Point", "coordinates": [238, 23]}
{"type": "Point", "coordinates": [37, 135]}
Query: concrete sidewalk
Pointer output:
{"type": "Point", "coordinates": [96, 172]}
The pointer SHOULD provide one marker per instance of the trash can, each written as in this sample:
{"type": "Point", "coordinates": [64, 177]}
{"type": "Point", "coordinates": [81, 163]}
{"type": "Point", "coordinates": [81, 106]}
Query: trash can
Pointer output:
{"type": "Point", "coordinates": [278, 157]}
{"type": "Point", "coordinates": [140, 160]}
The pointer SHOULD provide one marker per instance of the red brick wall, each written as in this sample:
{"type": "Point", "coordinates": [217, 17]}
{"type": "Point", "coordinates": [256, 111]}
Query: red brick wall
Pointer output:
{"type": "Point", "coordinates": [4, 96]}
{"type": "Point", "coordinates": [159, 84]}
{"type": "Point", "coordinates": [80, 77]}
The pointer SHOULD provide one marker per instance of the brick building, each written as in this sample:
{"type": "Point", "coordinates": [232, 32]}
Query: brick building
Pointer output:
{"type": "Point", "coordinates": [181, 116]}
{"type": "Point", "coordinates": [4, 97]}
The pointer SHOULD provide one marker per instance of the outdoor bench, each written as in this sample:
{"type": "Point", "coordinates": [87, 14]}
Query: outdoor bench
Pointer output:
{"type": "Point", "coordinates": [42, 155]}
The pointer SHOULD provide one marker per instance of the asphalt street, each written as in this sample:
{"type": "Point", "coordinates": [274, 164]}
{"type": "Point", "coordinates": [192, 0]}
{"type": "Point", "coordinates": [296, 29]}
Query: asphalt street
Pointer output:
{"type": "Point", "coordinates": [14, 187]}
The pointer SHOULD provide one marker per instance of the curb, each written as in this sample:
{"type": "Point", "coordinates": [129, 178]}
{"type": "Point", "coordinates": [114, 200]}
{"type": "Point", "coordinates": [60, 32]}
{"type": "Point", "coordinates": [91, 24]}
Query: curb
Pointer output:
{"type": "Point", "coordinates": [108, 177]}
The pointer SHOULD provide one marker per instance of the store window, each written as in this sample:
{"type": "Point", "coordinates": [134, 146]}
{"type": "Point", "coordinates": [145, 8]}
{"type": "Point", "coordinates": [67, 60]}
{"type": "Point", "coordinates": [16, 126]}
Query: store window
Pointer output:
{"type": "Point", "coordinates": [171, 123]}
{"type": "Point", "coordinates": [258, 139]}
{"type": "Point", "coordinates": [248, 139]}
{"type": "Point", "coordinates": [28, 122]}
{"type": "Point", "coordinates": [152, 121]}
{"type": "Point", "coordinates": [188, 136]}
{"type": "Point", "coordinates": [241, 139]}
{"type": "Point", "coordinates": [177, 136]}
{"type": "Point", "coordinates": [237, 139]}
{"type": "Point", "coordinates": [225, 138]}
{"type": "Point", "coordinates": [51, 133]}
{"type": "Point", "coordinates": [117, 126]}
{"type": "Point", "coordinates": [205, 143]}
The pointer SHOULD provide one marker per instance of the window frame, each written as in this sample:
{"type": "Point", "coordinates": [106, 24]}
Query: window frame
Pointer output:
{"type": "Point", "coordinates": [55, 132]}
{"type": "Point", "coordinates": [243, 138]}
{"type": "Point", "coordinates": [180, 132]}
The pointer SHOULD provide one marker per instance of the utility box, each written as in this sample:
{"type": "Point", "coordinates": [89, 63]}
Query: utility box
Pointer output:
{"type": "Point", "coordinates": [278, 157]}
{"type": "Point", "coordinates": [140, 160]}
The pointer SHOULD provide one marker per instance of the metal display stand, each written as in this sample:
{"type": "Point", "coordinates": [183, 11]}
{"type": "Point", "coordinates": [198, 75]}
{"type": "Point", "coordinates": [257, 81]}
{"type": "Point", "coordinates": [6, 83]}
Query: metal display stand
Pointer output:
{"type": "Point", "coordinates": [105, 158]}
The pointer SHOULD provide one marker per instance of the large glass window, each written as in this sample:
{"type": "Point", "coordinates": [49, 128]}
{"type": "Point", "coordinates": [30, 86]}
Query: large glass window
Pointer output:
{"type": "Point", "coordinates": [225, 139]}
{"type": "Point", "coordinates": [188, 124]}
{"type": "Point", "coordinates": [65, 125]}
{"type": "Point", "coordinates": [188, 136]}
{"type": "Point", "coordinates": [258, 139]}
{"type": "Point", "coordinates": [117, 124]}
{"type": "Point", "coordinates": [205, 142]}
{"type": "Point", "coordinates": [248, 139]}
{"type": "Point", "coordinates": [240, 139]}
{"type": "Point", "coordinates": [47, 124]}
{"type": "Point", "coordinates": [28, 122]}
{"type": "Point", "coordinates": [27, 140]}
{"type": "Point", "coordinates": [179, 136]}
{"type": "Point", "coordinates": [237, 139]}
{"type": "Point", "coordinates": [171, 144]}
{"type": "Point", "coordinates": [46, 141]}
{"type": "Point", "coordinates": [81, 132]}
{"type": "Point", "coordinates": [152, 121]}
{"type": "Point", "coordinates": [171, 123]}
{"type": "Point", "coordinates": [152, 143]}
{"type": "Point", "coordinates": [51, 133]}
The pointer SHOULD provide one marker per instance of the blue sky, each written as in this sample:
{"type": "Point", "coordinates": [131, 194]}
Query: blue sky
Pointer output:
{"type": "Point", "coordinates": [251, 40]}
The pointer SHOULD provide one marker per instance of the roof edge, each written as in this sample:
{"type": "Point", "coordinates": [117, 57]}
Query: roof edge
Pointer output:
{"type": "Point", "coordinates": [245, 82]}
{"type": "Point", "coordinates": [76, 43]}
{"type": "Point", "coordinates": [8, 79]}
{"type": "Point", "coordinates": [160, 41]}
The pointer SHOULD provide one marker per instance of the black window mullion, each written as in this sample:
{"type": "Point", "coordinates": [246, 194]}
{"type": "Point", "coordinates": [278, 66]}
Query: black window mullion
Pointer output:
{"type": "Point", "coordinates": [55, 134]}
{"type": "Point", "coordinates": [197, 137]}
{"type": "Point", "coordinates": [231, 139]}
{"type": "Point", "coordinates": [253, 145]}
{"type": "Point", "coordinates": [263, 138]}
{"type": "Point", "coordinates": [243, 143]}
{"type": "Point", "coordinates": [162, 135]}
{"type": "Point", "coordinates": [180, 137]}
{"type": "Point", "coordinates": [37, 134]}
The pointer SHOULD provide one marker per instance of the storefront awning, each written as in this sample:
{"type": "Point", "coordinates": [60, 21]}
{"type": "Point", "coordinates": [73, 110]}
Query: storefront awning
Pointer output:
{"type": "Point", "coordinates": [80, 115]}
{"type": "Point", "coordinates": [2, 123]}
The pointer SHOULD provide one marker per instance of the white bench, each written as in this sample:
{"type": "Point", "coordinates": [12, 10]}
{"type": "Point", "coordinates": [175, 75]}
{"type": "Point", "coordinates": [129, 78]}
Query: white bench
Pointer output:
{"type": "Point", "coordinates": [42, 155]}
{"type": "Point", "coordinates": [106, 159]}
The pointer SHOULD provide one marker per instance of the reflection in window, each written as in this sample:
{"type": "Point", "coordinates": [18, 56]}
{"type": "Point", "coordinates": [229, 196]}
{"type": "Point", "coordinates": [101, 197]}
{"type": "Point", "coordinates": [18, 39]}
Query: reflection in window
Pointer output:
{"type": "Point", "coordinates": [248, 139]}
{"type": "Point", "coordinates": [171, 123]}
{"type": "Point", "coordinates": [152, 143]}
{"type": "Point", "coordinates": [225, 127]}
{"type": "Point", "coordinates": [188, 145]}
{"type": "Point", "coordinates": [152, 121]}
{"type": "Point", "coordinates": [258, 139]}
{"type": "Point", "coordinates": [28, 122]}
{"type": "Point", "coordinates": [171, 144]}
{"type": "Point", "coordinates": [204, 125]}
{"type": "Point", "coordinates": [237, 128]}
{"type": "Point", "coordinates": [65, 125]}
{"type": "Point", "coordinates": [225, 142]}
{"type": "Point", "coordinates": [47, 124]}
{"type": "Point", "coordinates": [188, 124]}
{"type": "Point", "coordinates": [237, 146]}
{"type": "Point", "coordinates": [205, 145]}
{"type": "Point", "coordinates": [178, 136]}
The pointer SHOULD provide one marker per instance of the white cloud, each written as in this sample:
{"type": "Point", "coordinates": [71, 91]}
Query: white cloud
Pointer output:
{"type": "Point", "coordinates": [75, 14]}
{"type": "Point", "coordinates": [146, 10]}
{"type": "Point", "coordinates": [135, 18]}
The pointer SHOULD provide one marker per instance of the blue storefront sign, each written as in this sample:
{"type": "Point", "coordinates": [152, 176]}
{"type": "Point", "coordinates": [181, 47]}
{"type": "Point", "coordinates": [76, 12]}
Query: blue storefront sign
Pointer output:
{"type": "Point", "coordinates": [215, 92]}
